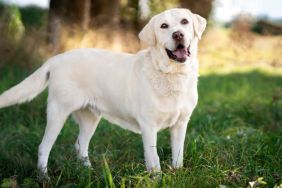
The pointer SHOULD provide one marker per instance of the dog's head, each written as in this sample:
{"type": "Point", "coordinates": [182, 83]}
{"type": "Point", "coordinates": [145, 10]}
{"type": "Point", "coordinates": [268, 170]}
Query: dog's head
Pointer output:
{"type": "Point", "coordinates": [174, 31]}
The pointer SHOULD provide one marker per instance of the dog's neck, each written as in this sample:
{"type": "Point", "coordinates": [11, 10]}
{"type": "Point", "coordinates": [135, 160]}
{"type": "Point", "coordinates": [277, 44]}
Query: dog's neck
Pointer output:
{"type": "Point", "coordinates": [167, 77]}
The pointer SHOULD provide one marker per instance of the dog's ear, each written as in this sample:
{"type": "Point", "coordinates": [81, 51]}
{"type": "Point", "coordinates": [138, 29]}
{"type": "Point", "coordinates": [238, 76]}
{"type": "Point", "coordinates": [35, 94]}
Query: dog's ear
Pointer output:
{"type": "Point", "coordinates": [147, 34]}
{"type": "Point", "coordinates": [199, 24]}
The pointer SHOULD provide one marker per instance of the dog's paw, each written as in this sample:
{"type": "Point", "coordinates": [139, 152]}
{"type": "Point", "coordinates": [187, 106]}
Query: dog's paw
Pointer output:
{"type": "Point", "coordinates": [156, 175]}
{"type": "Point", "coordinates": [43, 177]}
{"type": "Point", "coordinates": [85, 162]}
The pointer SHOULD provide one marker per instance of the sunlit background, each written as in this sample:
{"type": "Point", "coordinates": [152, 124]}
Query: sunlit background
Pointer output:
{"type": "Point", "coordinates": [257, 22]}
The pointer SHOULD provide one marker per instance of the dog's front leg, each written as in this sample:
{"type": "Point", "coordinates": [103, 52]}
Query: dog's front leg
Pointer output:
{"type": "Point", "coordinates": [149, 137]}
{"type": "Point", "coordinates": [178, 133]}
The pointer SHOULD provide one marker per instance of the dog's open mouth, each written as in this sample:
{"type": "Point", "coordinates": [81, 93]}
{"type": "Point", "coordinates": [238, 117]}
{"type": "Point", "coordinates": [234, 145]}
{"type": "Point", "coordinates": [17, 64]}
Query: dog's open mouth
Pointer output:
{"type": "Point", "coordinates": [180, 54]}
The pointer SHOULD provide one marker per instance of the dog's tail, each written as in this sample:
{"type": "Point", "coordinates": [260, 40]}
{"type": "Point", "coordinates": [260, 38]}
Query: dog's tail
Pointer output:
{"type": "Point", "coordinates": [27, 89]}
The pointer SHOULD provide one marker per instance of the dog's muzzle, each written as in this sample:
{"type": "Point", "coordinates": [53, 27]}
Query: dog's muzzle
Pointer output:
{"type": "Point", "coordinates": [180, 54]}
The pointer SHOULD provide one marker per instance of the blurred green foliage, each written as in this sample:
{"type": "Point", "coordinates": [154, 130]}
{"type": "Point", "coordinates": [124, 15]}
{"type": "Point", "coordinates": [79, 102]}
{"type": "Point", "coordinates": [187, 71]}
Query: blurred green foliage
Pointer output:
{"type": "Point", "coordinates": [158, 6]}
{"type": "Point", "coordinates": [22, 17]}
{"type": "Point", "coordinates": [11, 23]}
{"type": "Point", "coordinates": [33, 16]}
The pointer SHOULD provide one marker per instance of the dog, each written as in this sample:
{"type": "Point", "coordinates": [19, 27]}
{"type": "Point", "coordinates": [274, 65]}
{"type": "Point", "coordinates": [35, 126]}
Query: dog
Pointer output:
{"type": "Point", "coordinates": [145, 92]}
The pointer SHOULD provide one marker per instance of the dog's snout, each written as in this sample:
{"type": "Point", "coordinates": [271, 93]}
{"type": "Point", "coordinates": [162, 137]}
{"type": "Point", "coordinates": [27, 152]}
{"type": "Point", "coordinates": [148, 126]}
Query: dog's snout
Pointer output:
{"type": "Point", "coordinates": [178, 36]}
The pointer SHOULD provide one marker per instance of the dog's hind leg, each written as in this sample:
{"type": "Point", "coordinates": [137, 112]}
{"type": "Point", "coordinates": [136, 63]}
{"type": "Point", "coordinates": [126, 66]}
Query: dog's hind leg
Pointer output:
{"type": "Point", "coordinates": [56, 116]}
{"type": "Point", "coordinates": [88, 122]}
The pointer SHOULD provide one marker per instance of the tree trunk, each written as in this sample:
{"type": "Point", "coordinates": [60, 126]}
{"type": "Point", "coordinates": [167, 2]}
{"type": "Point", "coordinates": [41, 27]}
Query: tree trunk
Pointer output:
{"type": "Point", "coordinates": [78, 13]}
{"type": "Point", "coordinates": [201, 7]}
{"type": "Point", "coordinates": [56, 13]}
{"type": "Point", "coordinates": [74, 14]}
{"type": "Point", "coordinates": [105, 12]}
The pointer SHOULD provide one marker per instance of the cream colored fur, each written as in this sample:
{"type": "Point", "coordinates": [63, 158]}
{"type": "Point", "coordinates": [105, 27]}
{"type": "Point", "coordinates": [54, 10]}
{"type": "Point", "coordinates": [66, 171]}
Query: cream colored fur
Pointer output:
{"type": "Point", "coordinates": [144, 92]}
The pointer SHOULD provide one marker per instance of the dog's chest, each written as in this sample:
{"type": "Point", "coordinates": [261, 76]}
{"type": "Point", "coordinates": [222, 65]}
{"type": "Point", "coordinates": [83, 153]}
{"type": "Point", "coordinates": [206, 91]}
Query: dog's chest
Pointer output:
{"type": "Point", "coordinates": [164, 120]}
{"type": "Point", "coordinates": [168, 112]}
{"type": "Point", "coordinates": [172, 99]}
{"type": "Point", "coordinates": [167, 86]}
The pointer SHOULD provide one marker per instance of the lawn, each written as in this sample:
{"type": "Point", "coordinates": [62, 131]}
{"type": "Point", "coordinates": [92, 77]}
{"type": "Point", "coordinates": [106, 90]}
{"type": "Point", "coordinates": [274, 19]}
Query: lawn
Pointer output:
{"type": "Point", "coordinates": [233, 138]}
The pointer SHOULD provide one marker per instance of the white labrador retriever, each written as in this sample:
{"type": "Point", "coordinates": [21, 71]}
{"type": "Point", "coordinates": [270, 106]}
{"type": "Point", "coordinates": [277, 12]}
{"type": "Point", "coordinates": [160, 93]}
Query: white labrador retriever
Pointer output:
{"type": "Point", "coordinates": [144, 92]}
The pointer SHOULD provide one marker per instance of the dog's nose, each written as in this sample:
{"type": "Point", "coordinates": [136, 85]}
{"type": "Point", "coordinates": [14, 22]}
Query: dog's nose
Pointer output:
{"type": "Point", "coordinates": [178, 36]}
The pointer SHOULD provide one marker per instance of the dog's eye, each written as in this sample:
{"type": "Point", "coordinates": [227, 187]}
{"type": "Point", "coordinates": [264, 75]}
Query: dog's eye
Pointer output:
{"type": "Point", "coordinates": [164, 26]}
{"type": "Point", "coordinates": [184, 21]}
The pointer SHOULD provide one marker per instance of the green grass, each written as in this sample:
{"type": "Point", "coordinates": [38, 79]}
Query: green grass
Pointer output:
{"type": "Point", "coordinates": [234, 137]}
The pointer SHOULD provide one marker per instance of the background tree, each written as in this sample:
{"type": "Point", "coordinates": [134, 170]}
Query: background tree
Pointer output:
{"type": "Point", "coordinates": [62, 13]}
{"type": "Point", "coordinates": [201, 7]}
{"type": "Point", "coordinates": [105, 12]}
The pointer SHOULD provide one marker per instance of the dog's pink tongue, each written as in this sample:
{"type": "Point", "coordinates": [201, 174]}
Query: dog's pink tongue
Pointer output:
{"type": "Point", "coordinates": [180, 53]}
